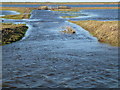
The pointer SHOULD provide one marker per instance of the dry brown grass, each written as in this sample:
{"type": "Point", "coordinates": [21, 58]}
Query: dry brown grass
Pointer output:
{"type": "Point", "coordinates": [82, 8]}
{"type": "Point", "coordinates": [105, 31]}
{"type": "Point", "coordinates": [10, 25]}
{"type": "Point", "coordinates": [18, 9]}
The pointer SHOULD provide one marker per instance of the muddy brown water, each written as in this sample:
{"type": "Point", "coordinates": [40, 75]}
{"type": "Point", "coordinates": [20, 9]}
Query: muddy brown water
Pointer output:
{"type": "Point", "coordinates": [47, 58]}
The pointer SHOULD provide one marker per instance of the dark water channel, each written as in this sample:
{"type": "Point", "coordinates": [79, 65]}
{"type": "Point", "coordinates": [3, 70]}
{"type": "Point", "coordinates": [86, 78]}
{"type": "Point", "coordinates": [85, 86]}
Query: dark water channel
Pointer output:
{"type": "Point", "coordinates": [47, 58]}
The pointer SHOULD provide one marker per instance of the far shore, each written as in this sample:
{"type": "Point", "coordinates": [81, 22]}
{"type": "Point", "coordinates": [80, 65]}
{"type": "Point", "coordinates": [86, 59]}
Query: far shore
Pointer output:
{"type": "Point", "coordinates": [62, 3]}
{"type": "Point", "coordinates": [23, 10]}
{"type": "Point", "coordinates": [82, 8]}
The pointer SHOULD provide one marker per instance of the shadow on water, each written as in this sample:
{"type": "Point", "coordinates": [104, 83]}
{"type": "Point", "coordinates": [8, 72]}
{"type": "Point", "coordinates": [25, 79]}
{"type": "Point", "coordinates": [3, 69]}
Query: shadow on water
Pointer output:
{"type": "Point", "coordinates": [48, 58]}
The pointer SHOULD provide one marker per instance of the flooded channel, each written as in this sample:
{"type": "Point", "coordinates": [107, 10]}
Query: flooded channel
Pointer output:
{"type": "Point", "coordinates": [45, 57]}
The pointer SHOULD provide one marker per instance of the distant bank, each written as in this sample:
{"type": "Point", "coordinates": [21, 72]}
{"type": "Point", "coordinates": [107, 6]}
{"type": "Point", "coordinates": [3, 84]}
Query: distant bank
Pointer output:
{"type": "Point", "coordinates": [63, 3]}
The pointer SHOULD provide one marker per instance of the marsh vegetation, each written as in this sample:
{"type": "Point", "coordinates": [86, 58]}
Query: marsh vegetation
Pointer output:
{"type": "Point", "coordinates": [105, 31]}
{"type": "Point", "coordinates": [24, 12]}
{"type": "Point", "coordinates": [11, 32]}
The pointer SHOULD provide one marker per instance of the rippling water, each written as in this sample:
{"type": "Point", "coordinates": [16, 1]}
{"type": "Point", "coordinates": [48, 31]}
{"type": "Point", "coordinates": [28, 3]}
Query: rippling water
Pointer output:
{"type": "Point", "coordinates": [48, 58]}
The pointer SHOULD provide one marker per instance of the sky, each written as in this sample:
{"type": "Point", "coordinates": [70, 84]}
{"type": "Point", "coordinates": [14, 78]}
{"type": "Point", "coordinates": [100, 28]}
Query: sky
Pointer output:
{"type": "Point", "coordinates": [59, 0]}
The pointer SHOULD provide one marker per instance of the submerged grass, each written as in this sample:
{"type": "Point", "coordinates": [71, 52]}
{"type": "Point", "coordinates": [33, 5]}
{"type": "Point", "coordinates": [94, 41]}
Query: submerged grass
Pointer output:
{"type": "Point", "coordinates": [105, 31]}
{"type": "Point", "coordinates": [20, 16]}
{"type": "Point", "coordinates": [11, 32]}
{"type": "Point", "coordinates": [69, 16]}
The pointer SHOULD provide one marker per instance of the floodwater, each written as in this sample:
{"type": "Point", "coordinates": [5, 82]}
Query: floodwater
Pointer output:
{"type": "Point", "coordinates": [45, 57]}
{"type": "Point", "coordinates": [93, 14]}
{"type": "Point", "coordinates": [5, 12]}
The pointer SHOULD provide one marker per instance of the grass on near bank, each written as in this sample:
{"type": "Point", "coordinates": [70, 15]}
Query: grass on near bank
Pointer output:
{"type": "Point", "coordinates": [105, 31]}
{"type": "Point", "coordinates": [11, 32]}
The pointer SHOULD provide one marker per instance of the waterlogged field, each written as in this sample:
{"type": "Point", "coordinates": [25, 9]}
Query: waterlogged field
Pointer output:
{"type": "Point", "coordinates": [48, 58]}
{"type": "Point", "coordinates": [9, 13]}
{"type": "Point", "coordinates": [91, 14]}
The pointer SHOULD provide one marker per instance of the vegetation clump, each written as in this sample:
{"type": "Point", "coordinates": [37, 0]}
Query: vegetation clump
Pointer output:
{"type": "Point", "coordinates": [43, 8]}
{"type": "Point", "coordinates": [63, 7]}
{"type": "Point", "coordinates": [11, 32]}
{"type": "Point", "coordinates": [69, 30]}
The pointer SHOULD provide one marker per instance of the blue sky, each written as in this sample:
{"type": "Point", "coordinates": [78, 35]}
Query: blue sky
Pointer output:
{"type": "Point", "coordinates": [60, 0]}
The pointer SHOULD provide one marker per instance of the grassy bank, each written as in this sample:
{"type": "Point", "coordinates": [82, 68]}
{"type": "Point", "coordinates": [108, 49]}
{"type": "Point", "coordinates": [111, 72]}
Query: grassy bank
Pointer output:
{"type": "Point", "coordinates": [105, 31]}
{"type": "Point", "coordinates": [11, 32]}
{"type": "Point", "coordinates": [24, 12]}
{"type": "Point", "coordinates": [82, 8]}
{"type": "Point", "coordinates": [62, 3]}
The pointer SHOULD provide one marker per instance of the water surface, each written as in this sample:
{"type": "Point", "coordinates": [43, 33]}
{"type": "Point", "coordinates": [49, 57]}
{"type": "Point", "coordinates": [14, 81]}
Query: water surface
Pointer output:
{"type": "Point", "coordinates": [6, 12]}
{"type": "Point", "coordinates": [48, 58]}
